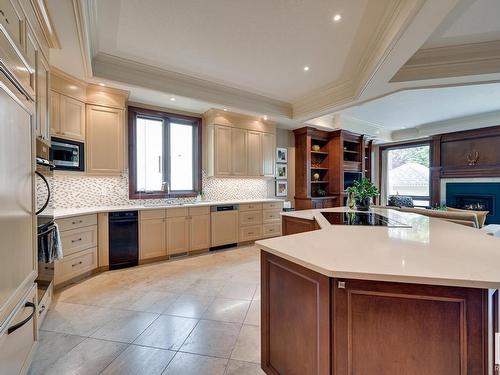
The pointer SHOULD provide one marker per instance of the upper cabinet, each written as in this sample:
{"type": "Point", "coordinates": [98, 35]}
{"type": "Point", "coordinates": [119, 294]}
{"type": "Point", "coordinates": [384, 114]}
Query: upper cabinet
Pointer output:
{"type": "Point", "coordinates": [104, 141]}
{"type": "Point", "coordinates": [238, 145]}
{"type": "Point", "coordinates": [68, 117]}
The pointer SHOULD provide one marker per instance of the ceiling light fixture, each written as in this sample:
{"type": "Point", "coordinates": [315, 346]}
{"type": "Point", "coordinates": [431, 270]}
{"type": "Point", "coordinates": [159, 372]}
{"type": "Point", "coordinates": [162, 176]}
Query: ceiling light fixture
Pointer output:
{"type": "Point", "coordinates": [306, 68]}
{"type": "Point", "coordinates": [225, 109]}
{"type": "Point", "coordinates": [337, 17]}
{"type": "Point", "coordinates": [265, 118]}
{"type": "Point", "coordinates": [172, 99]}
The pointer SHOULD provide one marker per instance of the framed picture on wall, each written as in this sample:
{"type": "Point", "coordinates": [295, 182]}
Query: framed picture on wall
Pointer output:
{"type": "Point", "coordinates": [281, 171]}
{"type": "Point", "coordinates": [281, 188]}
{"type": "Point", "coordinates": [281, 155]}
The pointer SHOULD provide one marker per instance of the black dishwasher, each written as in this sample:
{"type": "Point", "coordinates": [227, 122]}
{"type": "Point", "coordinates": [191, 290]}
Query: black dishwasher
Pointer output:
{"type": "Point", "coordinates": [123, 239]}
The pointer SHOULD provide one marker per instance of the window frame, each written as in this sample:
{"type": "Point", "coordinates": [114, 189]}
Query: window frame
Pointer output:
{"type": "Point", "coordinates": [382, 171]}
{"type": "Point", "coordinates": [167, 118]}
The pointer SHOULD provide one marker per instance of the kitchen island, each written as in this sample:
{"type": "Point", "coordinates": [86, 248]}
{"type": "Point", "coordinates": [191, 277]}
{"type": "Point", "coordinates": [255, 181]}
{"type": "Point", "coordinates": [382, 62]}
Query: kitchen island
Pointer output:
{"type": "Point", "coordinates": [415, 295]}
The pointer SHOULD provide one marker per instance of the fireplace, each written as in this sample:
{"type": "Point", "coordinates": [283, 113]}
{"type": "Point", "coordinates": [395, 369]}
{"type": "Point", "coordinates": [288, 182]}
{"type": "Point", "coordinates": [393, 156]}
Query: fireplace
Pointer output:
{"type": "Point", "coordinates": [480, 196]}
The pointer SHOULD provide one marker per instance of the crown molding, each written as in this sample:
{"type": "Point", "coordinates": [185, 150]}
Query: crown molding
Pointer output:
{"type": "Point", "coordinates": [394, 22]}
{"type": "Point", "coordinates": [154, 78]}
{"type": "Point", "coordinates": [85, 17]}
{"type": "Point", "coordinates": [47, 26]}
{"type": "Point", "coordinates": [451, 61]}
{"type": "Point", "coordinates": [476, 121]}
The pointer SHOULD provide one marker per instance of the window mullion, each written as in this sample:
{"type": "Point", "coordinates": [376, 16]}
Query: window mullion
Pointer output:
{"type": "Point", "coordinates": [166, 154]}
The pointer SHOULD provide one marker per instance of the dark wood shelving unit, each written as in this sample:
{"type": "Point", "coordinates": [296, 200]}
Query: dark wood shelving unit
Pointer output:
{"type": "Point", "coordinates": [339, 156]}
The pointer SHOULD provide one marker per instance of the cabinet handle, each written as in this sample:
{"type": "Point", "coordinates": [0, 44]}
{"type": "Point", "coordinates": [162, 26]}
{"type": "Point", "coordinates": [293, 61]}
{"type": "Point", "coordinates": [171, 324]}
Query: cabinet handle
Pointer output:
{"type": "Point", "coordinates": [3, 15]}
{"type": "Point", "coordinates": [73, 241]}
{"type": "Point", "coordinates": [41, 310]}
{"type": "Point", "coordinates": [76, 264]}
{"type": "Point", "coordinates": [77, 222]}
{"type": "Point", "coordinates": [250, 232]}
{"type": "Point", "coordinates": [15, 327]}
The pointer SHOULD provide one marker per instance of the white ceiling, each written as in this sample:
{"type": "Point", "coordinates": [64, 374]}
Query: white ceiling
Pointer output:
{"type": "Point", "coordinates": [259, 46]}
{"type": "Point", "coordinates": [411, 108]}
{"type": "Point", "coordinates": [472, 21]}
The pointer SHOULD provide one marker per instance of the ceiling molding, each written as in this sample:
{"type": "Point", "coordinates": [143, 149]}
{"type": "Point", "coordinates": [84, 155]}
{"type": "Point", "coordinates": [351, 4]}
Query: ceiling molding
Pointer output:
{"type": "Point", "coordinates": [43, 17]}
{"type": "Point", "coordinates": [451, 61]}
{"type": "Point", "coordinates": [329, 98]}
{"type": "Point", "coordinates": [85, 22]}
{"type": "Point", "coordinates": [476, 121]}
{"type": "Point", "coordinates": [150, 77]}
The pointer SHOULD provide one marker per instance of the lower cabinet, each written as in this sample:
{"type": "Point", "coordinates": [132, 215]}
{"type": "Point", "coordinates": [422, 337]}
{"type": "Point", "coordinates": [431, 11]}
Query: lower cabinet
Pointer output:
{"type": "Point", "coordinates": [200, 232]}
{"type": "Point", "coordinates": [178, 235]}
{"type": "Point", "coordinates": [17, 345]}
{"type": "Point", "coordinates": [152, 238]}
{"type": "Point", "coordinates": [75, 265]}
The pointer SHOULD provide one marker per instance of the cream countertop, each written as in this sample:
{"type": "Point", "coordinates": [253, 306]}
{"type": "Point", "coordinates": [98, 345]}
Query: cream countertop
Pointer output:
{"type": "Point", "coordinates": [429, 251]}
{"type": "Point", "coordinates": [69, 212]}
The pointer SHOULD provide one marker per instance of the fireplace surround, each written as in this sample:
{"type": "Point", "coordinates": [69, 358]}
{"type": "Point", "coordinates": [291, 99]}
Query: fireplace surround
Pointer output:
{"type": "Point", "coordinates": [480, 196]}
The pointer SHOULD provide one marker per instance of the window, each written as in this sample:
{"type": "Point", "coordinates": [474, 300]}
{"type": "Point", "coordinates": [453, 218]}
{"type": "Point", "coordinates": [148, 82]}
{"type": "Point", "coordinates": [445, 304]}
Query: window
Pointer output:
{"type": "Point", "coordinates": [405, 171]}
{"type": "Point", "coordinates": [164, 151]}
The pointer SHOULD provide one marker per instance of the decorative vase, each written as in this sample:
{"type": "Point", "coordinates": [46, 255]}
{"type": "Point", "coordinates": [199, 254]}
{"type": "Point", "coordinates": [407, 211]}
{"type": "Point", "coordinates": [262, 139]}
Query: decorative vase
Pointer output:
{"type": "Point", "coordinates": [363, 204]}
{"type": "Point", "coordinates": [316, 147]}
{"type": "Point", "coordinates": [315, 177]}
{"type": "Point", "coordinates": [351, 201]}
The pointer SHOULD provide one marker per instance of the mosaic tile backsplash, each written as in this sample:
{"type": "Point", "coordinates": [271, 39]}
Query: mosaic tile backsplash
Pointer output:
{"type": "Point", "coordinates": [86, 191]}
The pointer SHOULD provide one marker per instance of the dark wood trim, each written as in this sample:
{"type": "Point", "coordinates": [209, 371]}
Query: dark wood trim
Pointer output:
{"type": "Point", "coordinates": [197, 146]}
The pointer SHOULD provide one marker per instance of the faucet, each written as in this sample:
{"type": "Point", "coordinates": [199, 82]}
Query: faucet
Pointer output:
{"type": "Point", "coordinates": [166, 187]}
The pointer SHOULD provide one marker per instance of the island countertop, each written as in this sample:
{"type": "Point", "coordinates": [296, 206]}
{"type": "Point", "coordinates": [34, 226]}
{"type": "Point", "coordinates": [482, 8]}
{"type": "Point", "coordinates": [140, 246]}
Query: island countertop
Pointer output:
{"type": "Point", "coordinates": [427, 251]}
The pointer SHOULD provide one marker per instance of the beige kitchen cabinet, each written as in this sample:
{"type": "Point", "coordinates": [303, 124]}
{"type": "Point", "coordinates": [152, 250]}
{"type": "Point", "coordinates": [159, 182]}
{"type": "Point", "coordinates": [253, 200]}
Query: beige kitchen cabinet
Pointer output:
{"type": "Point", "coordinates": [104, 140]}
{"type": "Point", "coordinates": [254, 154]}
{"type": "Point", "coordinates": [223, 151]}
{"type": "Point", "coordinates": [268, 154]}
{"type": "Point", "coordinates": [239, 151]}
{"type": "Point", "coordinates": [152, 238]}
{"type": "Point", "coordinates": [68, 117]}
{"type": "Point", "coordinates": [200, 232]}
{"type": "Point", "coordinates": [224, 228]}
{"type": "Point", "coordinates": [178, 235]}
{"type": "Point", "coordinates": [42, 95]}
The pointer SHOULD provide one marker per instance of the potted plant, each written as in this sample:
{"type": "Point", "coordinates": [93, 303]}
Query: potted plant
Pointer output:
{"type": "Point", "coordinates": [363, 192]}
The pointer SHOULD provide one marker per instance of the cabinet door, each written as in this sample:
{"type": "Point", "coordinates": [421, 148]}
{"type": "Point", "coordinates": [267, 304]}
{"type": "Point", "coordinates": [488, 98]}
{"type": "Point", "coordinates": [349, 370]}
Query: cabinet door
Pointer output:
{"type": "Point", "coordinates": [55, 119]}
{"type": "Point", "coordinates": [254, 155]}
{"type": "Point", "coordinates": [223, 149]}
{"type": "Point", "coordinates": [104, 141]}
{"type": "Point", "coordinates": [224, 228]}
{"type": "Point", "coordinates": [239, 151]}
{"type": "Point", "coordinates": [200, 232]}
{"type": "Point", "coordinates": [268, 151]}
{"type": "Point", "coordinates": [177, 235]}
{"type": "Point", "coordinates": [72, 118]}
{"type": "Point", "coordinates": [42, 97]}
{"type": "Point", "coordinates": [152, 238]}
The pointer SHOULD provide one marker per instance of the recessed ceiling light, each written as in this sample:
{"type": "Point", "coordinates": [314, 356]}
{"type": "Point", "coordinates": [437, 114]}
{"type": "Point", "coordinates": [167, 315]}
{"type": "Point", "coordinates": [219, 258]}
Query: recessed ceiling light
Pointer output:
{"type": "Point", "coordinates": [337, 17]}
{"type": "Point", "coordinates": [172, 99]}
{"type": "Point", "coordinates": [101, 84]}
{"type": "Point", "coordinates": [306, 68]}
{"type": "Point", "coordinates": [265, 117]}
{"type": "Point", "coordinates": [225, 109]}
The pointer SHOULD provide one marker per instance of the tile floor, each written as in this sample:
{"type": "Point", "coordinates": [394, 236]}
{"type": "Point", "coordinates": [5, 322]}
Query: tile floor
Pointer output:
{"type": "Point", "coordinates": [198, 315]}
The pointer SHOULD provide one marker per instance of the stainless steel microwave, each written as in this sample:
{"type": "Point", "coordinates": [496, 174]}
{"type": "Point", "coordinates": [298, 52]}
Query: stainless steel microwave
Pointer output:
{"type": "Point", "coordinates": [67, 155]}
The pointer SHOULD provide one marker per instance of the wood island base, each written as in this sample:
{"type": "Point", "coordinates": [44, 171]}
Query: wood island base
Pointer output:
{"type": "Point", "coordinates": [314, 324]}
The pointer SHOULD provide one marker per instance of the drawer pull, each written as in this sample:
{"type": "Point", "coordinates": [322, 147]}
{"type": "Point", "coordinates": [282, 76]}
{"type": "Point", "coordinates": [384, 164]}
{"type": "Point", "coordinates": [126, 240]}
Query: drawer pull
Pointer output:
{"type": "Point", "coordinates": [15, 327]}
{"type": "Point", "coordinates": [249, 218]}
{"type": "Point", "coordinates": [250, 232]}
{"type": "Point", "coordinates": [271, 230]}
{"type": "Point", "coordinates": [77, 264]}
{"type": "Point", "coordinates": [78, 240]}
{"type": "Point", "coordinates": [41, 310]}
{"type": "Point", "coordinates": [77, 222]}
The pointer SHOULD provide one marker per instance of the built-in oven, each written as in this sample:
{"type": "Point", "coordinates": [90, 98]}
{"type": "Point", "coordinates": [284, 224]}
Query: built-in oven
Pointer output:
{"type": "Point", "coordinates": [67, 155]}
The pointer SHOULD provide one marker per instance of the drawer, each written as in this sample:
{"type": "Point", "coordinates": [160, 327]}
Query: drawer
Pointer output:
{"type": "Point", "coordinates": [76, 222]}
{"type": "Point", "coordinates": [271, 230]}
{"type": "Point", "coordinates": [250, 218]}
{"type": "Point", "coordinates": [75, 265]}
{"type": "Point", "coordinates": [194, 211]}
{"type": "Point", "coordinates": [16, 348]}
{"type": "Point", "coordinates": [177, 212]}
{"type": "Point", "coordinates": [269, 216]}
{"type": "Point", "coordinates": [250, 206]}
{"type": "Point", "coordinates": [11, 19]}
{"type": "Point", "coordinates": [44, 304]}
{"type": "Point", "coordinates": [79, 239]}
{"type": "Point", "coordinates": [250, 233]}
{"type": "Point", "coordinates": [152, 214]}
{"type": "Point", "coordinates": [272, 205]}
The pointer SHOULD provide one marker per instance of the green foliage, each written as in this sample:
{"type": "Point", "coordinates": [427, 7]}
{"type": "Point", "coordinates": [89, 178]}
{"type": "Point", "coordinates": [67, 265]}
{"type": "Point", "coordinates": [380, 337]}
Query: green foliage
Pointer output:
{"type": "Point", "coordinates": [363, 189]}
